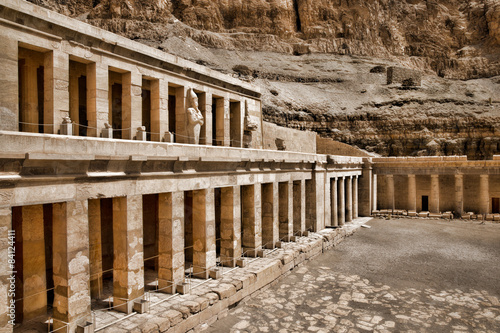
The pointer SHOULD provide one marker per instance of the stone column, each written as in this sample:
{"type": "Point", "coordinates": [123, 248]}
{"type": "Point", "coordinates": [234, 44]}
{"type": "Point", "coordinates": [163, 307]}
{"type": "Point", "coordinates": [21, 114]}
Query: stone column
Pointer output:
{"type": "Point", "coordinates": [299, 211]}
{"type": "Point", "coordinates": [180, 115]}
{"type": "Point", "coordinates": [251, 219]}
{"type": "Point", "coordinates": [310, 205]}
{"type": "Point", "coordinates": [390, 191]}
{"type": "Point", "coordinates": [74, 100]}
{"type": "Point", "coordinates": [30, 263]}
{"type": "Point", "coordinates": [341, 195]}
{"type": "Point", "coordinates": [459, 194]}
{"type": "Point", "coordinates": [270, 212]}
{"type": "Point", "coordinates": [128, 263]}
{"type": "Point", "coordinates": [219, 121]}
{"type": "Point", "coordinates": [334, 202]}
{"type": "Point", "coordinates": [412, 193]}
{"type": "Point", "coordinates": [159, 109]}
{"type": "Point", "coordinates": [97, 98]}
{"type": "Point", "coordinates": [6, 266]}
{"type": "Point", "coordinates": [227, 123]}
{"type": "Point", "coordinates": [71, 264]}
{"type": "Point", "coordinates": [327, 201]}
{"type": "Point", "coordinates": [434, 197]}
{"type": "Point", "coordinates": [131, 104]}
{"type": "Point", "coordinates": [365, 203]}
{"type": "Point", "coordinates": [374, 192]}
{"type": "Point", "coordinates": [9, 94]}
{"type": "Point", "coordinates": [204, 247]}
{"type": "Point", "coordinates": [349, 214]}
{"type": "Point", "coordinates": [319, 185]}
{"type": "Point", "coordinates": [230, 226]}
{"type": "Point", "coordinates": [29, 102]}
{"type": "Point", "coordinates": [484, 194]}
{"type": "Point", "coordinates": [95, 257]}
{"type": "Point", "coordinates": [56, 77]}
{"type": "Point", "coordinates": [170, 241]}
{"type": "Point", "coordinates": [285, 211]}
{"type": "Point", "coordinates": [205, 101]}
{"type": "Point", "coordinates": [355, 197]}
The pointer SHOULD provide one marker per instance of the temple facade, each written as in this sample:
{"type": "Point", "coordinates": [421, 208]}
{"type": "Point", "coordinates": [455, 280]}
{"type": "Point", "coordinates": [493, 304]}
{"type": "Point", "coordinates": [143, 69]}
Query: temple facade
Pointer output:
{"type": "Point", "coordinates": [121, 165]}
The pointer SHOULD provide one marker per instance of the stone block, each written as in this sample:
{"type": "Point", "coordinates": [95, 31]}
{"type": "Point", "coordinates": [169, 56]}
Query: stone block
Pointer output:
{"type": "Point", "coordinates": [87, 327]}
{"type": "Point", "coordinates": [241, 262]}
{"type": "Point", "coordinates": [294, 238]}
{"type": "Point", "coordinates": [215, 273]}
{"type": "Point", "coordinates": [261, 253]}
{"type": "Point", "coordinates": [141, 306]}
{"type": "Point", "coordinates": [496, 217]}
{"type": "Point", "coordinates": [182, 288]}
{"type": "Point", "coordinates": [224, 290]}
{"type": "Point", "coordinates": [412, 213]}
{"type": "Point", "coordinates": [423, 214]}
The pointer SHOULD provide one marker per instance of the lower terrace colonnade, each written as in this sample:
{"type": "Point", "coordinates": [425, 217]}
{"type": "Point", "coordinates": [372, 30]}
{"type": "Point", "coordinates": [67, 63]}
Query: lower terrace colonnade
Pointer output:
{"type": "Point", "coordinates": [462, 188]}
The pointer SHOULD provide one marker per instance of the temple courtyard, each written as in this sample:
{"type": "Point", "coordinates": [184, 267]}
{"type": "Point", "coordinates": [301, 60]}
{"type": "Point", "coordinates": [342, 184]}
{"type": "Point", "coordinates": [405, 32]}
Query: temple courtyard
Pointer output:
{"type": "Point", "coordinates": [399, 275]}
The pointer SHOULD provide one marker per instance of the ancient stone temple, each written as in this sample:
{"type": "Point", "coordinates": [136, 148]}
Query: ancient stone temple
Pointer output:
{"type": "Point", "coordinates": [121, 165]}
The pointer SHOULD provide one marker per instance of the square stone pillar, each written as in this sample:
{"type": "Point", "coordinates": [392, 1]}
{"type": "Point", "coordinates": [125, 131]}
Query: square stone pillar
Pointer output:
{"type": "Point", "coordinates": [6, 267]}
{"type": "Point", "coordinates": [412, 193]}
{"type": "Point", "coordinates": [230, 227]}
{"type": "Point", "coordinates": [227, 123]}
{"type": "Point", "coordinates": [341, 194]}
{"type": "Point", "coordinates": [220, 120]}
{"type": "Point", "coordinates": [56, 77]}
{"type": "Point", "coordinates": [29, 93]}
{"type": "Point", "coordinates": [484, 194]}
{"type": "Point", "coordinates": [299, 207]}
{"type": "Point", "coordinates": [95, 252]}
{"type": "Point", "coordinates": [459, 194]}
{"type": "Point", "coordinates": [326, 201]}
{"type": "Point", "coordinates": [159, 108]}
{"type": "Point", "coordinates": [170, 241]}
{"type": "Point", "coordinates": [131, 104]}
{"type": "Point", "coordinates": [270, 212]}
{"type": "Point", "coordinates": [355, 197]}
{"type": "Point", "coordinates": [204, 247]}
{"type": "Point", "coordinates": [97, 98]}
{"type": "Point", "coordinates": [434, 197]}
{"type": "Point", "coordinates": [334, 202]}
{"type": "Point", "coordinates": [180, 115]}
{"type": "Point", "coordinates": [374, 193]}
{"type": "Point", "coordinates": [285, 211]}
{"type": "Point", "coordinates": [348, 217]}
{"type": "Point", "coordinates": [251, 219]}
{"type": "Point", "coordinates": [310, 205]}
{"type": "Point", "coordinates": [71, 264]}
{"type": "Point", "coordinates": [31, 280]}
{"type": "Point", "coordinates": [128, 263]}
{"type": "Point", "coordinates": [205, 104]}
{"type": "Point", "coordinates": [390, 191]}
{"type": "Point", "coordinates": [9, 94]}
{"type": "Point", "coordinates": [365, 182]}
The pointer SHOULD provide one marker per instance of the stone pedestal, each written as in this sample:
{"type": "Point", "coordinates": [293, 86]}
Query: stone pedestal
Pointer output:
{"type": "Point", "coordinates": [71, 264]}
{"type": "Point", "coordinates": [128, 263]}
{"type": "Point", "coordinates": [230, 226]}
{"type": "Point", "coordinates": [170, 241]}
{"type": "Point", "coordinates": [204, 248]}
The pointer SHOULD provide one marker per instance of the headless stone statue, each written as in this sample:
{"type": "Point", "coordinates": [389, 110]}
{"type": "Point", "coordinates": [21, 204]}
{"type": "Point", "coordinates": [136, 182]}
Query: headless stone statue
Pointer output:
{"type": "Point", "coordinates": [194, 118]}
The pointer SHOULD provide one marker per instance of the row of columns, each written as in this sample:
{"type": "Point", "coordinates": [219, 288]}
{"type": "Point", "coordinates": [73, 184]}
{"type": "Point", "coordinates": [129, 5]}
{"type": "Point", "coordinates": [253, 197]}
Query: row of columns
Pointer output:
{"type": "Point", "coordinates": [60, 98]}
{"type": "Point", "coordinates": [434, 194]}
{"type": "Point", "coordinates": [344, 198]}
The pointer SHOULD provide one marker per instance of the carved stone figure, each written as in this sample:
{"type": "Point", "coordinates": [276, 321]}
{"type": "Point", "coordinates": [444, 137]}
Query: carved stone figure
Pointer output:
{"type": "Point", "coordinates": [194, 118]}
{"type": "Point", "coordinates": [250, 125]}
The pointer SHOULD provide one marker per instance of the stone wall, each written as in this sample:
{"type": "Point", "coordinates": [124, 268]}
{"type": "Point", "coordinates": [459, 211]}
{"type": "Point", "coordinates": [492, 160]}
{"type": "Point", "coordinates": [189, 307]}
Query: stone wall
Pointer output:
{"type": "Point", "coordinates": [400, 75]}
{"type": "Point", "coordinates": [294, 140]}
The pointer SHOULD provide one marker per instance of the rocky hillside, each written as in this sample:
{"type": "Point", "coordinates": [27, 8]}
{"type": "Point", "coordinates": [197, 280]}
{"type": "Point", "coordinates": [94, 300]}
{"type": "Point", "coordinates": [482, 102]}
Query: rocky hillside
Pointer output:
{"type": "Point", "coordinates": [314, 60]}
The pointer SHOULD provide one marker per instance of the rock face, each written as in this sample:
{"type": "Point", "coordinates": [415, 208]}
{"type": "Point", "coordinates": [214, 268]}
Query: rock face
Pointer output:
{"type": "Point", "coordinates": [454, 38]}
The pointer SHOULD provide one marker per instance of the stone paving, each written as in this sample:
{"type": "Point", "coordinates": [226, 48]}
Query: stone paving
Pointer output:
{"type": "Point", "coordinates": [321, 297]}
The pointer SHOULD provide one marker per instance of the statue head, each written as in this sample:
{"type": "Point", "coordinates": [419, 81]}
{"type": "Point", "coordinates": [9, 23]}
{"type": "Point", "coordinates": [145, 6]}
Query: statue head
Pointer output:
{"type": "Point", "coordinates": [193, 99]}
